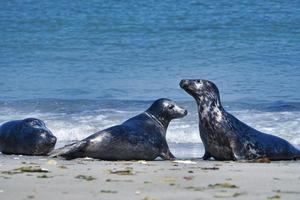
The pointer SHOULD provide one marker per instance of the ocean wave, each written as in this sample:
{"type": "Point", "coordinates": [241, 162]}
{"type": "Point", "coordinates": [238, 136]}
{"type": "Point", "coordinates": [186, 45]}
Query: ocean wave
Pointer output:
{"type": "Point", "coordinates": [74, 121]}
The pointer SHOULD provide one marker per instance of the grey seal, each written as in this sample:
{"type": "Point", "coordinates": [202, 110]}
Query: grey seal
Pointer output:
{"type": "Point", "coordinates": [142, 137]}
{"type": "Point", "coordinates": [26, 137]}
{"type": "Point", "coordinates": [227, 138]}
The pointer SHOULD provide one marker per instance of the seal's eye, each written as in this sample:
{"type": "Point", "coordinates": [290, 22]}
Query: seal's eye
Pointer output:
{"type": "Point", "coordinates": [170, 106]}
{"type": "Point", "coordinates": [198, 81]}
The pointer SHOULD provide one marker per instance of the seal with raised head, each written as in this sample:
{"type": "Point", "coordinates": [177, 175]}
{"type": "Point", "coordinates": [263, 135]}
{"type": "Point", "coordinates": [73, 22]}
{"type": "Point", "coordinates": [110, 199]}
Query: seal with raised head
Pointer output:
{"type": "Point", "coordinates": [227, 138]}
{"type": "Point", "coordinates": [26, 137]}
{"type": "Point", "coordinates": [142, 137]}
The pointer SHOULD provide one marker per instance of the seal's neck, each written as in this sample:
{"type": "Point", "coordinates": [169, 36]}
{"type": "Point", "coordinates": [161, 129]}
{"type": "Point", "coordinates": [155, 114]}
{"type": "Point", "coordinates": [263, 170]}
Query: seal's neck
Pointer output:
{"type": "Point", "coordinates": [210, 111]}
{"type": "Point", "coordinates": [160, 120]}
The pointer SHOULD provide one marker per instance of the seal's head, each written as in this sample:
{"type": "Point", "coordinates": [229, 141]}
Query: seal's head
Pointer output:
{"type": "Point", "coordinates": [41, 138]}
{"type": "Point", "coordinates": [205, 92]}
{"type": "Point", "coordinates": [166, 110]}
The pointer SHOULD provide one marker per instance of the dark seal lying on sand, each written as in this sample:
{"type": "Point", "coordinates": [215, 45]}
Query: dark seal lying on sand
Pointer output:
{"type": "Point", "coordinates": [142, 137]}
{"type": "Point", "coordinates": [225, 137]}
{"type": "Point", "coordinates": [26, 137]}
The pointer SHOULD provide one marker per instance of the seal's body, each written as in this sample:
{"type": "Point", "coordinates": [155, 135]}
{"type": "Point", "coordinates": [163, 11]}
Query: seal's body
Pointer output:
{"type": "Point", "coordinates": [142, 137]}
{"type": "Point", "coordinates": [26, 137]}
{"type": "Point", "coordinates": [227, 138]}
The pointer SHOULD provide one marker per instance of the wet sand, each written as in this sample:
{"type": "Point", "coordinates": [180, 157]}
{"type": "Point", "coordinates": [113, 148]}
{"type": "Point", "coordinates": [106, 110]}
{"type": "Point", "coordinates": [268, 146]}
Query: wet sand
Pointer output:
{"type": "Point", "coordinates": [23, 177]}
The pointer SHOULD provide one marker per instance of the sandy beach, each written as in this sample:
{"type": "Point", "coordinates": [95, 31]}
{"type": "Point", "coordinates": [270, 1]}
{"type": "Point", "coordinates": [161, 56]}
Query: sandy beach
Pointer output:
{"type": "Point", "coordinates": [85, 66]}
{"type": "Point", "coordinates": [23, 177]}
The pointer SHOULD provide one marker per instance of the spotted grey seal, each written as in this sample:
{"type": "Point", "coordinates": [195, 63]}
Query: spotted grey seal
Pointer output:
{"type": "Point", "coordinates": [142, 137]}
{"type": "Point", "coordinates": [227, 138]}
{"type": "Point", "coordinates": [26, 137]}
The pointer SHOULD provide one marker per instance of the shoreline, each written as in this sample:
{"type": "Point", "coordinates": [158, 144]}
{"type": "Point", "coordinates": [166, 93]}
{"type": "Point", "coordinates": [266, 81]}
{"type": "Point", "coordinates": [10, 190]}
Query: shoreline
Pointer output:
{"type": "Point", "coordinates": [155, 180]}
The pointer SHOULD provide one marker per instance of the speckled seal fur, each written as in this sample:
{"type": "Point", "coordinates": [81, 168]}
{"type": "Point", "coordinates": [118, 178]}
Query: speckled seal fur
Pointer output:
{"type": "Point", "coordinates": [227, 138]}
{"type": "Point", "coordinates": [142, 137]}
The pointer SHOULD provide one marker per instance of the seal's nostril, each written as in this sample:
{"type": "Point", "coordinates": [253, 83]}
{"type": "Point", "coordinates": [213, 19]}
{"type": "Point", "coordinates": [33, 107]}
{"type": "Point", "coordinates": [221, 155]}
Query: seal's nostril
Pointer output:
{"type": "Point", "coordinates": [185, 112]}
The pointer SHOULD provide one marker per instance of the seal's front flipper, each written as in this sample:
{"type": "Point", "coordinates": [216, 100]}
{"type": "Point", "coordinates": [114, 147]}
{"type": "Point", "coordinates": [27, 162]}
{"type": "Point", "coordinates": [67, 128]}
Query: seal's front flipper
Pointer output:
{"type": "Point", "coordinates": [167, 156]}
{"type": "Point", "coordinates": [70, 151]}
{"type": "Point", "coordinates": [206, 155]}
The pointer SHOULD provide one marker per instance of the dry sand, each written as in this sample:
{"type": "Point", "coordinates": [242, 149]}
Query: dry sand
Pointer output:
{"type": "Point", "coordinates": [197, 179]}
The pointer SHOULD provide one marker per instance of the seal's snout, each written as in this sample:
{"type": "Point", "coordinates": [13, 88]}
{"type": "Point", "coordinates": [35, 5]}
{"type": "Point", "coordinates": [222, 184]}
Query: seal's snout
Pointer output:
{"type": "Point", "coordinates": [185, 112]}
{"type": "Point", "coordinates": [184, 83]}
{"type": "Point", "coordinates": [53, 140]}
{"type": "Point", "coordinates": [182, 112]}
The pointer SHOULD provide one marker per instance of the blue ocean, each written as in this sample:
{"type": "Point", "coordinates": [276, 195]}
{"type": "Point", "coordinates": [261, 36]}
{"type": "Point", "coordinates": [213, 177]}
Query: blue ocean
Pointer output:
{"type": "Point", "coordinates": [82, 66]}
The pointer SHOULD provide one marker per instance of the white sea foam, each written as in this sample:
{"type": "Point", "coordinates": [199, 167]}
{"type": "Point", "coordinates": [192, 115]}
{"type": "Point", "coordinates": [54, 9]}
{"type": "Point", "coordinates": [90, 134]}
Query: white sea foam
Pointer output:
{"type": "Point", "coordinates": [80, 125]}
{"type": "Point", "coordinates": [284, 124]}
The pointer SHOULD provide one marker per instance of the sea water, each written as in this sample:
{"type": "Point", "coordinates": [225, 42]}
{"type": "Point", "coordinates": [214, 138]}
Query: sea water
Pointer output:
{"type": "Point", "coordinates": [82, 66]}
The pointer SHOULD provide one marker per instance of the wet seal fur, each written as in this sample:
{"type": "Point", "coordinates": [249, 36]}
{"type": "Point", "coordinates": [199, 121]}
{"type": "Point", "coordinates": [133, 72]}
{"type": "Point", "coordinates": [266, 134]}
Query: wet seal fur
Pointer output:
{"type": "Point", "coordinates": [26, 137]}
{"type": "Point", "coordinates": [142, 137]}
{"type": "Point", "coordinates": [227, 138]}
